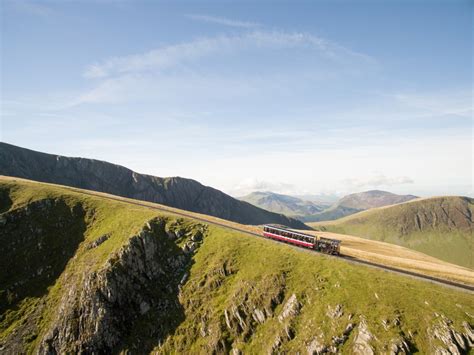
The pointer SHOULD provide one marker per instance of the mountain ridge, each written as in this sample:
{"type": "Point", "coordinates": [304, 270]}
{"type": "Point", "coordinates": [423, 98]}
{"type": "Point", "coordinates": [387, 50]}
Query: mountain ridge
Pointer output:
{"type": "Point", "coordinates": [308, 211]}
{"type": "Point", "coordinates": [438, 226]}
{"type": "Point", "coordinates": [285, 204]}
{"type": "Point", "coordinates": [102, 176]}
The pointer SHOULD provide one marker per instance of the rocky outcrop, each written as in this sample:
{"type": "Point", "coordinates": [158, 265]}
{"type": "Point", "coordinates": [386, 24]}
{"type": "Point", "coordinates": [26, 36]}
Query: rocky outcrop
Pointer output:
{"type": "Point", "coordinates": [362, 339]}
{"type": "Point", "coordinates": [252, 304]}
{"type": "Point", "coordinates": [335, 312]}
{"type": "Point", "coordinates": [452, 341]}
{"type": "Point", "coordinates": [101, 176]}
{"type": "Point", "coordinates": [290, 309]}
{"type": "Point", "coordinates": [137, 282]}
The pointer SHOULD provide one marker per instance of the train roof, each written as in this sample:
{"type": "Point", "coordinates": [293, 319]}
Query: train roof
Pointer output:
{"type": "Point", "coordinates": [285, 228]}
{"type": "Point", "coordinates": [335, 241]}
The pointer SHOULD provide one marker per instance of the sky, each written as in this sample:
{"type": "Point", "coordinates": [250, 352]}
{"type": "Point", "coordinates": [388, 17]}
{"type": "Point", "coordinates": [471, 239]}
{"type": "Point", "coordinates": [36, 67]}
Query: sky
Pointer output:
{"type": "Point", "coordinates": [295, 97]}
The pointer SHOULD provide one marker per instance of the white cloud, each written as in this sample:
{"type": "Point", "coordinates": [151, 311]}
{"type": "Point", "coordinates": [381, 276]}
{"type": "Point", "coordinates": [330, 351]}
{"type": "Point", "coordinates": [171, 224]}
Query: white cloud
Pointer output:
{"type": "Point", "coordinates": [222, 21]}
{"type": "Point", "coordinates": [249, 185]}
{"type": "Point", "coordinates": [172, 55]}
{"type": "Point", "coordinates": [376, 181]}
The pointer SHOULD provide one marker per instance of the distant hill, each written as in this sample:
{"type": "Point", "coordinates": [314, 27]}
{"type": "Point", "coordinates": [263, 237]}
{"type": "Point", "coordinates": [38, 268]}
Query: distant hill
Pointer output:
{"type": "Point", "coordinates": [357, 202]}
{"type": "Point", "coordinates": [440, 226]}
{"type": "Point", "coordinates": [310, 211]}
{"type": "Point", "coordinates": [288, 205]}
{"type": "Point", "coordinates": [372, 199]}
{"type": "Point", "coordinates": [102, 176]}
{"type": "Point", "coordinates": [319, 199]}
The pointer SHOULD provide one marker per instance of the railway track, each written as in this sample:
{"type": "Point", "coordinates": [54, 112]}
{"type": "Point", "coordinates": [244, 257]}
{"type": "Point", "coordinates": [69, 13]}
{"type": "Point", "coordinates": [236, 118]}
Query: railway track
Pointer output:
{"type": "Point", "coordinates": [171, 210]}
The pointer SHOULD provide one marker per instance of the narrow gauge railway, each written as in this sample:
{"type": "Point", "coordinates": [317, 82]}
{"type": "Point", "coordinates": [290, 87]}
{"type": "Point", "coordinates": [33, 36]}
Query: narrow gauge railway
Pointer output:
{"type": "Point", "coordinates": [283, 234]}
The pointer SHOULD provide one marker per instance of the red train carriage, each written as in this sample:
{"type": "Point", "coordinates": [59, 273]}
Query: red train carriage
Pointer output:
{"type": "Point", "coordinates": [283, 234]}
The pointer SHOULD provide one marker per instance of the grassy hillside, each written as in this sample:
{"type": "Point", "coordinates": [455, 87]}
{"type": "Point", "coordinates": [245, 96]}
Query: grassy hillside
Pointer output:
{"type": "Point", "coordinates": [105, 276]}
{"type": "Point", "coordinates": [441, 227]}
{"type": "Point", "coordinates": [353, 203]}
{"type": "Point", "coordinates": [372, 199]}
{"type": "Point", "coordinates": [102, 176]}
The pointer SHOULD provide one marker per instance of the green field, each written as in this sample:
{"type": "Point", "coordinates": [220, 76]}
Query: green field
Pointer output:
{"type": "Point", "coordinates": [129, 292]}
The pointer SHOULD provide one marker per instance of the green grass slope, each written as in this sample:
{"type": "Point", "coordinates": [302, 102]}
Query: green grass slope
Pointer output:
{"type": "Point", "coordinates": [103, 276]}
{"type": "Point", "coordinates": [441, 227]}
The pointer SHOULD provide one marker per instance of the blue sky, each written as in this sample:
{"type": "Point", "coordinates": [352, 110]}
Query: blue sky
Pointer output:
{"type": "Point", "coordinates": [295, 97]}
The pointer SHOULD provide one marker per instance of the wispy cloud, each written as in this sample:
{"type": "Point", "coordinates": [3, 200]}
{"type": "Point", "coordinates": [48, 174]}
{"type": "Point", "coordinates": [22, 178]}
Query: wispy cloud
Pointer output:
{"type": "Point", "coordinates": [172, 55]}
{"type": "Point", "coordinates": [377, 180]}
{"type": "Point", "coordinates": [249, 185]}
{"type": "Point", "coordinates": [222, 21]}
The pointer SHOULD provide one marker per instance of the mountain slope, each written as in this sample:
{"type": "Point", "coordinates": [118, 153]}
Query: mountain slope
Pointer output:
{"type": "Point", "coordinates": [101, 176]}
{"type": "Point", "coordinates": [135, 280]}
{"type": "Point", "coordinates": [287, 205]}
{"type": "Point", "coordinates": [357, 202]}
{"type": "Point", "coordinates": [372, 199]}
{"type": "Point", "coordinates": [441, 227]}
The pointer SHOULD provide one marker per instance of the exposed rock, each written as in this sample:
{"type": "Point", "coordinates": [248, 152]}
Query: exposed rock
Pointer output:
{"type": "Point", "coordinates": [316, 346]}
{"type": "Point", "coordinates": [98, 241]}
{"type": "Point", "coordinates": [362, 340]}
{"type": "Point", "coordinates": [96, 313]}
{"type": "Point", "coordinates": [197, 237]}
{"type": "Point", "coordinates": [189, 247]}
{"type": "Point", "coordinates": [348, 329]}
{"type": "Point", "coordinates": [399, 346]}
{"type": "Point", "coordinates": [335, 312]}
{"type": "Point", "coordinates": [171, 235]}
{"type": "Point", "coordinates": [258, 315]}
{"type": "Point", "coordinates": [454, 342]}
{"type": "Point", "coordinates": [184, 278]}
{"type": "Point", "coordinates": [290, 309]}
{"type": "Point", "coordinates": [469, 334]}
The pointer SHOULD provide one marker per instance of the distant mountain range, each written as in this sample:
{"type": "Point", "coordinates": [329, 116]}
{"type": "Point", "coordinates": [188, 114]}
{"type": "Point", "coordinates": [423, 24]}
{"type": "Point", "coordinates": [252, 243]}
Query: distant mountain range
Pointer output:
{"type": "Point", "coordinates": [102, 176]}
{"type": "Point", "coordinates": [310, 211]}
{"type": "Point", "coordinates": [439, 226]}
{"type": "Point", "coordinates": [288, 205]}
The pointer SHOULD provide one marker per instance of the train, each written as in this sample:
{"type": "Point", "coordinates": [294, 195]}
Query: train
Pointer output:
{"type": "Point", "coordinates": [283, 234]}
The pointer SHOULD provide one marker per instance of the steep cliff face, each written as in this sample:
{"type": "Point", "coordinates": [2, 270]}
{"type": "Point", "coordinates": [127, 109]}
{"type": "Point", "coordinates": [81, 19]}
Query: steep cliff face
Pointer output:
{"type": "Point", "coordinates": [107, 277]}
{"type": "Point", "coordinates": [137, 284]}
{"type": "Point", "coordinates": [101, 176]}
{"type": "Point", "coordinates": [62, 301]}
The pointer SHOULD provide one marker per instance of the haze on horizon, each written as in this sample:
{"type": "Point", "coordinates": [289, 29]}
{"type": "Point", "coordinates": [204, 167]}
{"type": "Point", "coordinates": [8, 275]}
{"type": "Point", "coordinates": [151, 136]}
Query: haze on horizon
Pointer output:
{"type": "Point", "coordinates": [291, 97]}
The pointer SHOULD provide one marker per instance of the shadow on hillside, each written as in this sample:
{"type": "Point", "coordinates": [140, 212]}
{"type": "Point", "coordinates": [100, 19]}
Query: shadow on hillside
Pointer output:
{"type": "Point", "coordinates": [166, 313]}
{"type": "Point", "coordinates": [36, 242]}
{"type": "Point", "coordinates": [5, 200]}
